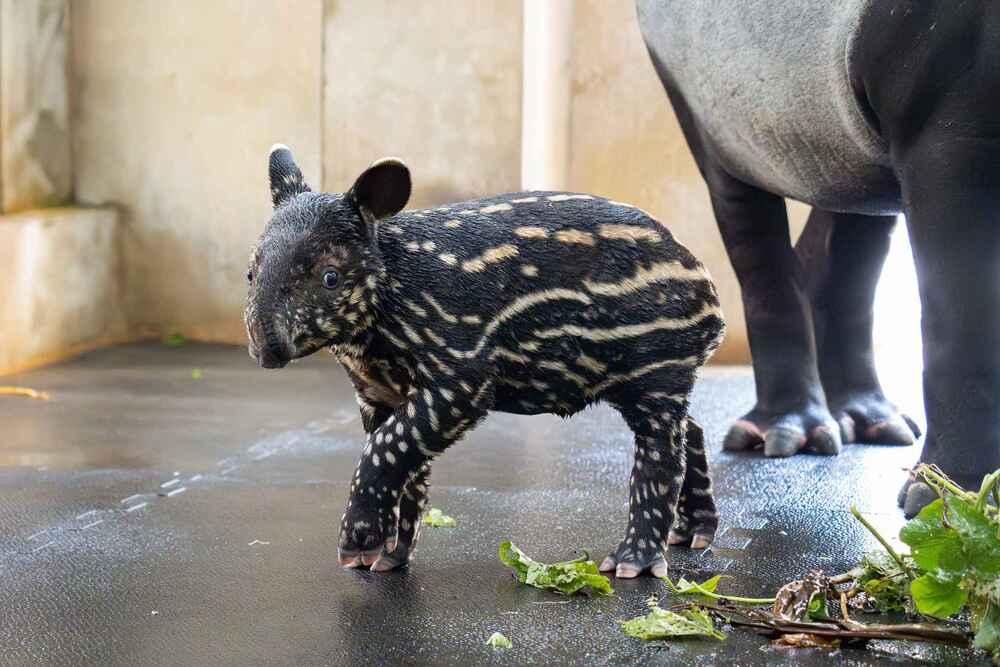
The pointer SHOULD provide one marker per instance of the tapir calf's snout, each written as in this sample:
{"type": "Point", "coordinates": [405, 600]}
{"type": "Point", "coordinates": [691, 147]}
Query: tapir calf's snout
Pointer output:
{"type": "Point", "coordinates": [269, 352]}
{"type": "Point", "coordinates": [272, 355]}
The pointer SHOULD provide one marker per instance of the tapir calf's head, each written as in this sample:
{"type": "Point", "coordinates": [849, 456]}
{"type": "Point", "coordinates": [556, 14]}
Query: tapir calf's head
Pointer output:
{"type": "Point", "coordinates": [316, 274]}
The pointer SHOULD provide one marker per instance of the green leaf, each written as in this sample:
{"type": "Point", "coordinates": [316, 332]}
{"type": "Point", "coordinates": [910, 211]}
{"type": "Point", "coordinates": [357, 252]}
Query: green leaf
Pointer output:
{"type": "Point", "coordinates": [978, 535]}
{"type": "Point", "coordinates": [937, 598]}
{"type": "Point", "coordinates": [706, 590]}
{"type": "Point", "coordinates": [661, 623]}
{"type": "Point", "coordinates": [438, 519]}
{"type": "Point", "coordinates": [817, 608]}
{"type": "Point", "coordinates": [883, 581]}
{"type": "Point", "coordinates": [685, 587]}
{"type": "Point", "coordinates": [935, 547]}
{"type": "Point", "coordinates": [497, 640]}
{"type": "Point", "coordinates": [568, 577]}
{"type": "Point", "coordinates": [195, 373]}
{"type": "Point", "coordinates": [988, 631]}
{"type": "Point", "coordinates": [175, 339]}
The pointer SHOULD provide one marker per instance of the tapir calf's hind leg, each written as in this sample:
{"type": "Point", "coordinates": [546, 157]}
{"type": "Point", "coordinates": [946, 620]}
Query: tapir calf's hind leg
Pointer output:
{"type": "Point", "coordinates": [655, 408]}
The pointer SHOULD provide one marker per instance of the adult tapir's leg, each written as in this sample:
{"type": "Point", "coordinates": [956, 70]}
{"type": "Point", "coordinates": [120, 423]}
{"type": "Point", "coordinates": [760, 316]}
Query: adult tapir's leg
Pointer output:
{"type": "Point", "coordinates": [930, 77]}
{"type": "Point", "coordinates": [951, 185]}
{"type": "Point", "coordinates": [842, 255]}
{"type": "Point", "coordinates": [791, 412]}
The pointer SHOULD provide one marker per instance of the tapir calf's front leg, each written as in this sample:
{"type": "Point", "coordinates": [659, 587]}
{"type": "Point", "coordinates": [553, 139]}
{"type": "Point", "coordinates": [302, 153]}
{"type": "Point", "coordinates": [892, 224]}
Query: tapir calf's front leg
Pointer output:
{"type": "Point", "coordinates": [398, 452]}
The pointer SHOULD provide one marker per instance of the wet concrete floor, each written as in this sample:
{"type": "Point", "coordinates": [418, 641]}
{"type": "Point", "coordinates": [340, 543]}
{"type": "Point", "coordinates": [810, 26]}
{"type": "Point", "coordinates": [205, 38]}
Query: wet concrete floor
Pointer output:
{"type": "Point", "coordinates": [148, 517]}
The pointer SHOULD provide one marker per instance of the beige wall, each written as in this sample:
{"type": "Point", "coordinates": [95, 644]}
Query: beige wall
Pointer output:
{"type": "Point", "coordinates": [436, 83]}
{"type": "Point", "coordinates": [626, 144]}
{"type": "Point", "coordinates": [34, 111]}
{"type": "Point", "coordinates": [62, 286]}
{"type": "Point", "coordinates": [176, 105]}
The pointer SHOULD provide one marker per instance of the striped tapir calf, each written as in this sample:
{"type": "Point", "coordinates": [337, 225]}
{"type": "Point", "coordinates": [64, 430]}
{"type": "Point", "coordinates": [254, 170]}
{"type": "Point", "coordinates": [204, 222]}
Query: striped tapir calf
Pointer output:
{"type": "Point", "coordinates": [533, 302]}
{"type": "Point", "coordinates": [863, 110]}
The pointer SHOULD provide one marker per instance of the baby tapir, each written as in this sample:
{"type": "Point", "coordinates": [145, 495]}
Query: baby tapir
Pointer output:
{"type": "Point", "coordinates": [529, 303]}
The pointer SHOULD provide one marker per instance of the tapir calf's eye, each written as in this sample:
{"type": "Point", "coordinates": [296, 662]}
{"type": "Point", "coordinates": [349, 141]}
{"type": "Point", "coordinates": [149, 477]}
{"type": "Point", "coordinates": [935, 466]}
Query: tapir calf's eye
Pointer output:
{"type": "Point", "coordinates": [330, 279]}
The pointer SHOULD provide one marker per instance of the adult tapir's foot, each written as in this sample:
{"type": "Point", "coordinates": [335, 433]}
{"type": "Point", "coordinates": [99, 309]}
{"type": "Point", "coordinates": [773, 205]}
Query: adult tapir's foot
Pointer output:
{"type": "Point", "coordinates": [869, 417]}
{"type": "Point", "coordinates": [966, 462]}
{"type": "Point", "coordinates": [914, 496]}
{"type": "Point", "coordinates": [810, 428]}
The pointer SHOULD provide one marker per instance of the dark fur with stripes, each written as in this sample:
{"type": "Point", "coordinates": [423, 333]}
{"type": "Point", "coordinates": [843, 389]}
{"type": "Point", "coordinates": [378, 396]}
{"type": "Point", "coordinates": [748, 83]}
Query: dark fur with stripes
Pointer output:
{"type": "Point", "coordinates": [535, 302]}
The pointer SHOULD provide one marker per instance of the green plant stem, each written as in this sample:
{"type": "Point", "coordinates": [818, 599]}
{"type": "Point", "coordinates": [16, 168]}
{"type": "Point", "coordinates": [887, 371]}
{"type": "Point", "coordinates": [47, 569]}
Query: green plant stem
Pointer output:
{"type": "Point", "coordinates": [737, 599]}
{"type": "Point", "coordinates": [696, 589]}
{"type": "Point", "coordinates": [990, 485]}
{"type": "Point", "coordinates": [938, 480]}
{"type": "Point", "coordinates": [884, 542]}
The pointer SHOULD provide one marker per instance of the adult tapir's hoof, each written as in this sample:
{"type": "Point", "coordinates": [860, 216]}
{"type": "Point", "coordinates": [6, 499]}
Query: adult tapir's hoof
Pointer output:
{"type": "Point", "coordinates": [914, 496]}
{"type": "Point", "coordinates": [811, 429]}
{"type": "Point", "coordinates": [869, 417]}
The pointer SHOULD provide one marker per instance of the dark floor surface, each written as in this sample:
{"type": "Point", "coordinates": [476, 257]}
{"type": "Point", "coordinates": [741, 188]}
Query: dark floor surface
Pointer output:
{"type": "Point", "coordinates": [147, 517]}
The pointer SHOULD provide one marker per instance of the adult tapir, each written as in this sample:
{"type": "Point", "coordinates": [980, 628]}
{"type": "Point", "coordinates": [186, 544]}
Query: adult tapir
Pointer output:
{"type": "Point", "coordinates": [863, 109]}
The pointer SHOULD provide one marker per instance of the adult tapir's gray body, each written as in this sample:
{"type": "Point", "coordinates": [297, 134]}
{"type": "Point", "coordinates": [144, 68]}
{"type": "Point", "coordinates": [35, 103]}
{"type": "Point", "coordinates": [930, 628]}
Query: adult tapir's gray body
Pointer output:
{"type": "Point", "coordinates": [863, 109]}
{"type": "Point", "coordinates": [770, 83]}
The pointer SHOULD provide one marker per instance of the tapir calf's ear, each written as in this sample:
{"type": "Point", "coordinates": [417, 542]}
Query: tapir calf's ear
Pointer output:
{"type": "Point", "coordinates": [384, 188]}
{"type": "Point", "coordinates": [286, 179]}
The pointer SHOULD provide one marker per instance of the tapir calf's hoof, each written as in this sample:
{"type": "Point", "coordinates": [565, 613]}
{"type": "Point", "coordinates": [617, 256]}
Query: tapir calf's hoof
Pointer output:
{"type": "Point", "coordinates": [632, 566]}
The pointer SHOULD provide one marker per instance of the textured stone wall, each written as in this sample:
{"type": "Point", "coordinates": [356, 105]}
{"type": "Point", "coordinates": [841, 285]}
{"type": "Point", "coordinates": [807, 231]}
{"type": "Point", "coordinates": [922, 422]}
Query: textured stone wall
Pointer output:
{"type": "Point", "coordinates": [436, 83]}
{"type": "Point", "coordinates": [626, 144]}
{"type": "Point", "coordinates": [35, 164]}
{"type": "Point", "coordinates": [176, 104]}
{"type": "Point", "coordinates": [62, 288]}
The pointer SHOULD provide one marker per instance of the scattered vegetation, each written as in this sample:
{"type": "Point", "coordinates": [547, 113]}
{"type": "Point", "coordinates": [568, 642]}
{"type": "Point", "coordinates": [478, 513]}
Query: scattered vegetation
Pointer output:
{"type": "Point", "coordinates": [497, 640]}
{"type": "Point", "coordinates": [568, 577]}
{"type": "Point", "coordinates": [662, 623]}
{"type": "Point", "coordinates": [953, 568]}
{"type": "Point", "coordinates": [438, 519]}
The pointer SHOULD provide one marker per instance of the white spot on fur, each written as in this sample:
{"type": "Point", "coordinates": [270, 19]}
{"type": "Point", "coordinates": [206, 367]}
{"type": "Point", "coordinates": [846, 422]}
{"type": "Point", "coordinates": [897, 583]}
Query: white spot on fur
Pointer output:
{"type": "Point", "coordinates": [629, 233]}
{"type": "Point", "coordinates": [444, 314]}
{"type": "Point", "coordinates": [529, 232]}
{"type": "Point", "coordinates": [496, 208]}
{"type": "Point", "coordinates": [574, 236]}
{"type": "Point", "coordinates": [567, 197]}
{"type": "Point", "coordinates": [491, 256]}
{"type": "Point", "coordinates": [517, 307]}
{"type": "Point", "coordinates": [590, 363]}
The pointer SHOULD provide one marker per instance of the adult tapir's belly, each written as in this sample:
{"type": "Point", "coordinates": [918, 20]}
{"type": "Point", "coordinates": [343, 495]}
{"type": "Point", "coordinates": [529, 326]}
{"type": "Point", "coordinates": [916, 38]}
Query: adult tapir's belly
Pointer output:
{"type": "Point", "coordinates": [768, 82]}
